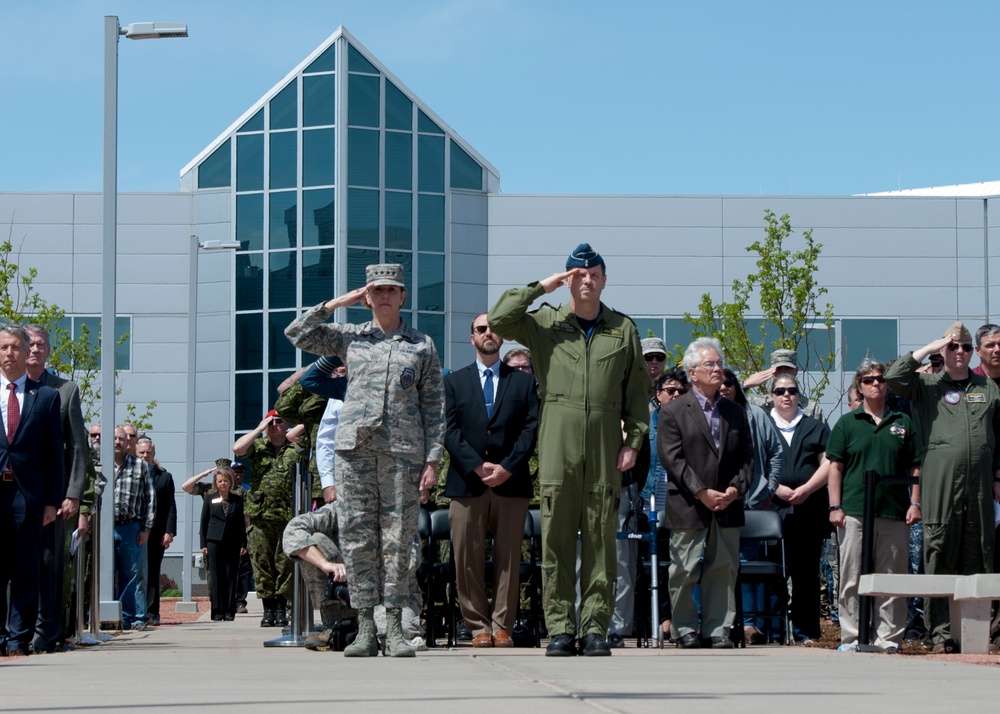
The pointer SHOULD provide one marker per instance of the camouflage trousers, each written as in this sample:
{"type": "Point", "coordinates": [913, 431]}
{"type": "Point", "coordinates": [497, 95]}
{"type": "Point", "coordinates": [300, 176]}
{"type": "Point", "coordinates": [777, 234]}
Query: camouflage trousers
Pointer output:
{"type": "Point", "coordinates": [378, 503]}
{"type": "Point", "coordinates": [272, 570]}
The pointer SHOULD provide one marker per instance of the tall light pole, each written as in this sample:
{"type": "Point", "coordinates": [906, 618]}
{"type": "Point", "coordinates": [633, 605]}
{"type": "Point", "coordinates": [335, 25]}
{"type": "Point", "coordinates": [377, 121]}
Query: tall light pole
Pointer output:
{"type": "Point", "coordinates": [111, 609]}
{"type": "Point", "coordinates": [187, 603]}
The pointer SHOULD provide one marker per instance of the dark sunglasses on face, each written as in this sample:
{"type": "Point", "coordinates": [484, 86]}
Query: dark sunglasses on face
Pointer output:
{"type": "Point", "coordinates": [481, 329]}
{"type": "Point", "coordinates": [729, 382]}
{"type": "Point", "coordinates": [872, 380]}
{"type": "Point", "coordinates": [655, 358]}
{"type": "Point", "coordinates": [673, 390]}
{"type": "Point", "coordinates": [781, 391]}
{"type": "Point", "coordinates": [966, 346]}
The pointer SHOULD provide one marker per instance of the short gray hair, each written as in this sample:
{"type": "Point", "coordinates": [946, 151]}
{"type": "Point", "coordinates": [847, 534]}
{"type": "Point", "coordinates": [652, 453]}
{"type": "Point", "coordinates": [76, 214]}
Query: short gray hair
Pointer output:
{"type": "Point", "coordinates": [39, 330]}
{"type": "Point", "coordinates": [18, 332]}
{"type": "Point", "coordinates": [692, 355]}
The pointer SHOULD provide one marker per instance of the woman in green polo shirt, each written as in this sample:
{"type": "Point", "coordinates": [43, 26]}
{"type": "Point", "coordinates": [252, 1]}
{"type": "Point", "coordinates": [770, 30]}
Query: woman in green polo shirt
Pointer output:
{"type": "Point", "coordinates": [872, 437]}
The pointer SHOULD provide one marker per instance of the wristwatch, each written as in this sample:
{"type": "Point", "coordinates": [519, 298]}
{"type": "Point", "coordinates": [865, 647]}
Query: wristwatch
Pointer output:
{"type": "Point", "coordinates": [836, 508]}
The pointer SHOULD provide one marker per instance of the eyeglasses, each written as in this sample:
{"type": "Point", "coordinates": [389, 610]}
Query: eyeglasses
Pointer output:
{"type": "Point", "coordinates": [673, 390]}
{"type": "Point", "coordinates": [276, 420]}
{"type": "Point", "coordinates": [729, 382]}
{"type": "Point", "coordinates": [966, 346]}
{"type": "Point", "coordinates": [522, 367]}
{"type": "Point", "coordinates": [655, 358]}
{"type": "Point", "coordinates": [481, 329]}
{"type": "Point", "coordinates": [781, 391]}
{"type": "Point", "coordinates": [872, 380]}
{"type": "Point", "coordinates": [711, 365]}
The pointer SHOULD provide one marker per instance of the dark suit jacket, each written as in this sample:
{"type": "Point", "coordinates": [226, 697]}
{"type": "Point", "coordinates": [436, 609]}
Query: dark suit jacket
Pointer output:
{"type": "Point", "coordinates": [217, 525]}
{"type": "Point", "coordinates": [688, 453]}
{"type": "Point", "coordinates": [36, 450]}
{"type": "Point", "coordinates": [165, 520]}
{"type": "Point", "coordinates": [507, 438]}
{"type": "Point", "coordinates": [77, 449]}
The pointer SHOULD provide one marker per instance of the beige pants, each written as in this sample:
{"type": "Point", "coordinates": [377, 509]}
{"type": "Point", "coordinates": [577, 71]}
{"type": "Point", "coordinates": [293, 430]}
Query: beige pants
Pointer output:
{"type": "Point", "coordinates": [892, 549]}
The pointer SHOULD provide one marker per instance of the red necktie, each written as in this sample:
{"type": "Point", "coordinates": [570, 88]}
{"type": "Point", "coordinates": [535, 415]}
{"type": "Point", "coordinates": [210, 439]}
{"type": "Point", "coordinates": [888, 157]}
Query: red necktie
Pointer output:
{"type": "Point", "coordinates": [13, 411]}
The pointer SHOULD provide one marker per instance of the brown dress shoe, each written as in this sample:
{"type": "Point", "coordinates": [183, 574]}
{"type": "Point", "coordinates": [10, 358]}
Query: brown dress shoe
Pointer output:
{"type": "Point", "coordinates": [482, 640]}
{"type": "Point", "coordinates": [502, 639]}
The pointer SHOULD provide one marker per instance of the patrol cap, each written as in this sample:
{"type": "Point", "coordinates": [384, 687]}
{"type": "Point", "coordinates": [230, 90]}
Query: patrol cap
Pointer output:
{"type": "Point", "coordinates": [653, 345]}
{"type": "Point", "coordinates": [223, 463]}
{"type": "Point", "coordinates": [958, 332]}
{"type": "Point", "coordinates": [784, 358]}
{"type": "Point", "coordinates": [239, 466]}
{"type": "Point", "coordinates": [385, 274]}
{"type": "Point", "coordinates": [583, 256]}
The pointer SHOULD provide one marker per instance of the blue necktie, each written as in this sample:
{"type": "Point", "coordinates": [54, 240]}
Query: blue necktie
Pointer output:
{"type": "Point", "coordinates": [488, 393]}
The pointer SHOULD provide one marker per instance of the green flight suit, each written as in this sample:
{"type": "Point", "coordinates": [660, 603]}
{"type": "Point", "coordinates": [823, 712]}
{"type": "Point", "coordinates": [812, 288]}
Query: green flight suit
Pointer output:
{"type": "Point", "coordinates": [591, 389]}
{"type": "Point", "coordinates": [958, 429]}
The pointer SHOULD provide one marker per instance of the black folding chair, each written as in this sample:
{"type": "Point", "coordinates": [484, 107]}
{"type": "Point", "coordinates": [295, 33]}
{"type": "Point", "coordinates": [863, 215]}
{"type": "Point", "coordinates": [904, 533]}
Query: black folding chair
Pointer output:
{"type": "Point", "coordinates": [767, 529]}
{"type": "Point", "coordinates": [439, 574]}
{"type": "Point", "coordinates": [531, 573]}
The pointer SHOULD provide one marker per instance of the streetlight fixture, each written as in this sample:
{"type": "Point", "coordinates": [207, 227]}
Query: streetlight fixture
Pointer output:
{"type": "Point", "coordinates": [111, 609]}
{"type": "Point", "coordinates": [187, 603]}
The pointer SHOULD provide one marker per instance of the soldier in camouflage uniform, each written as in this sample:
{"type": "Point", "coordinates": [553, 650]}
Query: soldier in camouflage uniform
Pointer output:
{"type": "Point", "coordinates": [388, 443]}
{"type": "Point", "coordinates": [297, 406]}
{"type": "Point", "coordinates": [269, 507]}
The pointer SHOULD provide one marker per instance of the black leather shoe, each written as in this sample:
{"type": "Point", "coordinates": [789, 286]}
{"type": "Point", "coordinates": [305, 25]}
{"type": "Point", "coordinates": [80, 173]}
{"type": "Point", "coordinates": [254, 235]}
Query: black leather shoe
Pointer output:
{"type": "Point", "coordinates": [281, 617]}
{"type": "Point", "coordinates": [268, 619]}
{"type": "Point", "coordinates": [229, 617]}
{"type": "Point", "coordinates": [593, 645]}
{"type": "Point", "coordinates": [689, 641]}
{"type": "Point", "coordinates": [561, 645]}
{"type": "Point", "coordinates": [616, 641]}
{"type": "Point", "coordinates": [462, 632]}
{"type": "Point", "coordinates": [717, 643]}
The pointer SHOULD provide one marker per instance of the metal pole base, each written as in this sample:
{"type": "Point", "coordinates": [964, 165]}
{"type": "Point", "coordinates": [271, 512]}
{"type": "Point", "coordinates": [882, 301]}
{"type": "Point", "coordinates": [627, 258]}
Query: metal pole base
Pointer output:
{"type": "Point", "coordinates": [188, 608]}
{"type": "Point", "coordinates": [287, 641]}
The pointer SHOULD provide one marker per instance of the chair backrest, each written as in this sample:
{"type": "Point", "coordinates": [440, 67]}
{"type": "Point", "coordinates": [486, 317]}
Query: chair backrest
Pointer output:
{"type": "Point", "coordinates": [533, 523]}
{"type": "Point", "coordinates": [762, 525]}
{"type": "Point", "coordinates": [440, 527]}
{"type": "Point", "coordinates": [424, 524]}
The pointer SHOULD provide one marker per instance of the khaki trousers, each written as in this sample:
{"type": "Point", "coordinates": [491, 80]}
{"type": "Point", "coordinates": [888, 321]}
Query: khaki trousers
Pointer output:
{"type": "Point", "coordinates": [709, 556]}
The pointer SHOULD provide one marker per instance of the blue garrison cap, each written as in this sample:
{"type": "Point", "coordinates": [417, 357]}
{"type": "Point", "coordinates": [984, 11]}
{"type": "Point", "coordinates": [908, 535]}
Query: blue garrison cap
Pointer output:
{"type": "Point", "coordinates": [583, 256]}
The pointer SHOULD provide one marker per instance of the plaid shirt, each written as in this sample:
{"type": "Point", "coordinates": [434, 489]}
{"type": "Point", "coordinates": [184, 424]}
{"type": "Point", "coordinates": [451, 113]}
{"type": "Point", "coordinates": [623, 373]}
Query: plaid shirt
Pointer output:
{"type": "Point", "coordinates": [135, 493]}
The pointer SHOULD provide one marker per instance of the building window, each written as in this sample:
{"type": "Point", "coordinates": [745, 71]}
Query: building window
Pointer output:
{"type": "Point", "coordinates": [215, 171]}
{"type": "Point", "coordinates": [88, 327]}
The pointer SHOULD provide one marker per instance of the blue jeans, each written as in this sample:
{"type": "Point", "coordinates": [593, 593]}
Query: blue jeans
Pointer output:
{"type": "Point", "coordinates": [130, 566]}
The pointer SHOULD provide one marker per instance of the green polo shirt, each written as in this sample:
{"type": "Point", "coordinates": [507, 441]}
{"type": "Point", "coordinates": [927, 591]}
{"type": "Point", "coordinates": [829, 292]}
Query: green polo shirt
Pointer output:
{"type": "Point", "coordinates": [890, 447]}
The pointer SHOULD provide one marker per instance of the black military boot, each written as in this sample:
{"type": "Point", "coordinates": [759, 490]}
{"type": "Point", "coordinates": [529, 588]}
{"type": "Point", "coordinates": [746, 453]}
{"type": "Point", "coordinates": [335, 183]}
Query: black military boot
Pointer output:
{"type": "Point", "coordinates": [281, 613]}
{"type": "Point", "coordinates": [268, 619]}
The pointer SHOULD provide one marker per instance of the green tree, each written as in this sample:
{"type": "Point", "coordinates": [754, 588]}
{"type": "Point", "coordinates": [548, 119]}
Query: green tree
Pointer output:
{"type": "Point", "coordinates": [77, 358]}
{"type": "Point", "coordinates": [786, 296]}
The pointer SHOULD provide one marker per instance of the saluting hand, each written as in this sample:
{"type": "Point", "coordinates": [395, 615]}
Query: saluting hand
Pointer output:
{"type": "Point", "coordinates": [554, 281]}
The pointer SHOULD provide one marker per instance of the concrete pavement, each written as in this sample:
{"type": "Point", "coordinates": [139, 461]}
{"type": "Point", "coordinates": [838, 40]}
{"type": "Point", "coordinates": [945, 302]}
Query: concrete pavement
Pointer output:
{"type": "Point", "coordinates": [222, 667]}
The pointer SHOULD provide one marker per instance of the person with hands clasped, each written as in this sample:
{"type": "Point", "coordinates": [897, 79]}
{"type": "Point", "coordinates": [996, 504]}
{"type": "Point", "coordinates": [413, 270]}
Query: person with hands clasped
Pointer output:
{"type": "Point", "coordinates": [872, 437]}
{"type": "Point", "coordinates": [957, 415]}
{"type": "Point", "coordinates": [223, 542]}
{"type": "Point", "coordinates": [388, 442]}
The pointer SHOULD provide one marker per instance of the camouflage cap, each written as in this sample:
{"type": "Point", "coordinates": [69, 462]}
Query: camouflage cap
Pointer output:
{"type": "Point", "coordinates": [385, 274]}
{"type": "Point", "coordinates": [784, 358]}
{"type": "Point", "coordinates": [653, 345]}
{"type": "Point", "coordinates": [223, 463]}
{"type": "Point", "coordinates": [958, 332]}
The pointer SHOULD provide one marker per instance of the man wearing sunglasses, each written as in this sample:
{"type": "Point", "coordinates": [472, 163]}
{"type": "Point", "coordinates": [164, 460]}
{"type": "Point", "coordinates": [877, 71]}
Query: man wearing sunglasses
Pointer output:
{"type": "Point", "coordinates": [957, 415]}
{"type": "Point", "coordinates": [269, 506]}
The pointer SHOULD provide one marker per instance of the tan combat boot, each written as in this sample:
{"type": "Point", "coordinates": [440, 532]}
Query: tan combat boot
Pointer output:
{"type": "Point", "coordinates": [365, 643]}
{"type": "Point", "coordinates": [395, 644]}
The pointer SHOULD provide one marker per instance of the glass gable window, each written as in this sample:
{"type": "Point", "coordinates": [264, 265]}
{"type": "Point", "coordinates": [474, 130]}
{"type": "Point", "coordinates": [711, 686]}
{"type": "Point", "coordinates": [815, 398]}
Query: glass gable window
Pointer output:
{"type": "Point", "coordinates": [250, 162]}
{"type": "Point", "coordinates": [426, 125]}
{"type": "Point", "coordinates": [398, 220]}
{"type": "Point", "coordinates": [318, 100]}
{"type": "Point", "coordinates": [318, 272]}
{"type": "Point", "coordinates": [282, 223]}
{"type": "Point", "coordinates": [283, 159]}
{"type": "Point", "coordinates": [430, 226]}
{"type": "Point", "coordinates": [362, 100]}
{"type": "Point", "coordinates": [318, 221]}
{"type": "Point", "coordinates": [465, 172]}
{"type": "Point", "coordinates": [250, 221]}
{"type": "Point", "coordinates": [430, 163]}
{"type": "Point", "coordinates": [398, 160]}
{"type": "Point", "coordinates": [214, 172]}
{"type": "Point", "coordinates": [326, 62]}
{"type": "Point", "coordinates": [362, 217]}
{"type": "Point", "coordinates": [356, 61]}
{"type": "Point", "coordinates": [284, 108]}
{"type": "Point", "coordinates": [254, 123]}
{"type": "Point", "coordinates": [250, 281]}
{"type": "Point", "coordinates": [398, 109]}
{"type": "Point", "coordinates": [318, 167]}
{"type": "Point", "coordinates": [362, 157]}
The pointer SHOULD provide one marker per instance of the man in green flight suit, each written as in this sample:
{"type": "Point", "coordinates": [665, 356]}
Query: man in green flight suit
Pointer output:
{"type": "Point", "coordinates": [593, 388]}
{"type": "Point", "coordinates": [957, 415]}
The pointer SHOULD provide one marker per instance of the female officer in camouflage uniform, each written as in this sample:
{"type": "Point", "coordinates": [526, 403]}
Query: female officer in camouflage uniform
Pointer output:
{"type": "Point", "coordinates": [388, 443]}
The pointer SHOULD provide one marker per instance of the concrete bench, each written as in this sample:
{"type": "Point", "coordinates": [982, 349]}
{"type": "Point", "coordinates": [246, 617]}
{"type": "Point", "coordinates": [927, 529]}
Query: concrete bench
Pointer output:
{"type": "Point", "coordinates": [968, 596]}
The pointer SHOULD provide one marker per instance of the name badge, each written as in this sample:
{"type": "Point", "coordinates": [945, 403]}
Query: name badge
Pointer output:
{"type": "Point", "coordinates": [217, 500]}
{"type": "Point", "coordinates": [976, 397]}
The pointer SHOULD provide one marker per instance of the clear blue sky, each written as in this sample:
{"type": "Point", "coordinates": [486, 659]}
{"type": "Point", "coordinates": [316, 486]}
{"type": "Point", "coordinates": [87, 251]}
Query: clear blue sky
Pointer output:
{"type": "Point", "coordinates": [561, 96]}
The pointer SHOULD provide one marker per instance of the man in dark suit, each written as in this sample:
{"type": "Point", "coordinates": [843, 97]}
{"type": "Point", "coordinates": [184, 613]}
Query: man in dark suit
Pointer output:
{"type": "Point", "coordinates": [31, 487]}
{"type": "Point", "coordinates": [491, 414]}
{"type": "Point", "coordinates": [164, 526]}
{"type": "Point", "coordinates": [52, 624]}
{"type": "Point", "coordinates": [704, 444]}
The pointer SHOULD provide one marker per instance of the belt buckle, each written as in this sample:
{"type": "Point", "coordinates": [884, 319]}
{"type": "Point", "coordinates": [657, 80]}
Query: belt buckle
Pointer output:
{"type": "Point", "coordinates": [7, 476]}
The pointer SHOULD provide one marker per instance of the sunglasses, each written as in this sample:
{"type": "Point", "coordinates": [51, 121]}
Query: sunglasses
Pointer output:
{"type": "Point", "coordinates": [782, 391]}
{"type": "Point", "coordinates": [481, 329]}
{"type": "Point", "coordinates": [966, 346]}
{"type": "Point", "coordinates": [673, 390]}
{"type": "Point", "coordinates": [276, 420]}
{"type": "Point", "coordinates": [655, 358]}
{"type": "Point", "coordinates": [729, 382]}
{"type": "Point", "coordinates": [872, 380]}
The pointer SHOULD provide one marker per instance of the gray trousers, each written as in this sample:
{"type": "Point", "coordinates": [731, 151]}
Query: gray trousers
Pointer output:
{"type": "Point", "coordinates": [709, 556]}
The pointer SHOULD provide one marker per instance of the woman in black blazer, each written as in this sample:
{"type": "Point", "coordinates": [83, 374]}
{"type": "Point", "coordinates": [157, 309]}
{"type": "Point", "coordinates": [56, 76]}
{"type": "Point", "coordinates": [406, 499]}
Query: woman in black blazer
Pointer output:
{"type": "Point", "coordinates": [223, 541]}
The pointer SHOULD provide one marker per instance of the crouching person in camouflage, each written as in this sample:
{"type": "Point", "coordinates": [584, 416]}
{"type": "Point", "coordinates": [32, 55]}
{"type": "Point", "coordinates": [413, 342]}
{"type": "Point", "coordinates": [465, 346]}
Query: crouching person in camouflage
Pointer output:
{"type": "Point", "coordinates": [389, 440]}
